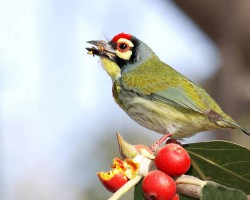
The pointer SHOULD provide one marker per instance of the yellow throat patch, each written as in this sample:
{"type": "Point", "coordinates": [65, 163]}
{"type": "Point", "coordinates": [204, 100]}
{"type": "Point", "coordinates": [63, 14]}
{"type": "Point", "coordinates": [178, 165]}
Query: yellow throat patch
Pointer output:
{"type": "Point", "coordinates": [111, 68]}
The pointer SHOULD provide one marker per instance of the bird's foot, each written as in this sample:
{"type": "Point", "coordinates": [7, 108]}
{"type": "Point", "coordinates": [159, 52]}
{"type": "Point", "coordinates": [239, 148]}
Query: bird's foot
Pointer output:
{"type": "Point", "coordinates": [156, 145]}
{"type": "Point", "coordinates": [172, 140]}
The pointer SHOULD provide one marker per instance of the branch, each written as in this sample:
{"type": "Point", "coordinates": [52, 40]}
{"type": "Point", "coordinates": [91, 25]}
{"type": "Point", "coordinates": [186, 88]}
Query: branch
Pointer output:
{"type": "Point", "coordinates": [189, 185]}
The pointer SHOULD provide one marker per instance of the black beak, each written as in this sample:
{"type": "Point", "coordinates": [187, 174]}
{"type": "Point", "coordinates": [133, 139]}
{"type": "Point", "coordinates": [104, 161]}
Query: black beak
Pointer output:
{"type": "Point", "coordinates": [103, 49]}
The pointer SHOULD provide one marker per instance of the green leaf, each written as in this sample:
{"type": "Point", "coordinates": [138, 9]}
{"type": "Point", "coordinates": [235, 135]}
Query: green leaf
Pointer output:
{"type": "Point", "coordinates": [222, 162]}
{"type": "Point", "coordinates": [184, 197]}
{"type": "Point", "coordinates": [216, 191]}
{"type": "Point", "coordinates": [138, 195]}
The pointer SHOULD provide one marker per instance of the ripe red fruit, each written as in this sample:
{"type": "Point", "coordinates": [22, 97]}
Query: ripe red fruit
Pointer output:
{"type": "Point", "coordinates": [157, 185]}
{"type": "Point", "coordinates": [112, 180]}
{"type": "Point", "coordinates": [176, 197]}
{"type": "Point", "coordinates": [173, 159]}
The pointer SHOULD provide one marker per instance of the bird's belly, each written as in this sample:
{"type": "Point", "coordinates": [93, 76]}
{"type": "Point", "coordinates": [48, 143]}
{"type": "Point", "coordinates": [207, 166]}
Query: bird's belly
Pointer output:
{"type": "Point", "coordinates": [165, 118]}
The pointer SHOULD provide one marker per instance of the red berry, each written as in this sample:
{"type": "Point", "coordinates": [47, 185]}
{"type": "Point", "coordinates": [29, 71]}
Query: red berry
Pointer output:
{"type": "Point", "coordinates": [112, 180]}
{"type": "Point", "coordinates": [176, 197]}
{"type": "Point", "coordinates": [173, 159]}
{"type": "Point", "coordinates": [157, 185]}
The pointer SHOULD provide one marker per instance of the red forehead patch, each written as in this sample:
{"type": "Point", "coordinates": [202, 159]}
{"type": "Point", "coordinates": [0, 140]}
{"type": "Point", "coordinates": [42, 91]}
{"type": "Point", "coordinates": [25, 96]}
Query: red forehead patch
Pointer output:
{"type": "Point", "coordinates": [121, 35]}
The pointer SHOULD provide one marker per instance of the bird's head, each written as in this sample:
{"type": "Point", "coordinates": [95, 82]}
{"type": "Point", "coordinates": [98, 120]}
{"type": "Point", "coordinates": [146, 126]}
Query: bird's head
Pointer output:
{"type": "Point", "coordinates": [123, 53]}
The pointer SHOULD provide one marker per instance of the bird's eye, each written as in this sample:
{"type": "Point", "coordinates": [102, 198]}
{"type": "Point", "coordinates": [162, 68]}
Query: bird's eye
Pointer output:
{"type": "Point", "coordinates": [122, 47]}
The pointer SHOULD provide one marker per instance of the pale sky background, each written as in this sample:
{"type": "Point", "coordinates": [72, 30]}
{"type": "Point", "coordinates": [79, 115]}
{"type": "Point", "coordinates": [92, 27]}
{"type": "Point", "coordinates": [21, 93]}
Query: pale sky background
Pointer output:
{"type": "Point", "coordinates": [56, 101]}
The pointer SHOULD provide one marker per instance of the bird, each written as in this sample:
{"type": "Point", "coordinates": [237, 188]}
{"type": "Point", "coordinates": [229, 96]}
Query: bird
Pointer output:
{"type": "Point", "coordinates": [154, 94]}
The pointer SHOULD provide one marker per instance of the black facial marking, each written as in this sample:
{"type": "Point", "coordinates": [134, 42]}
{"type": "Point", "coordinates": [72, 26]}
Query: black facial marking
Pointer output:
{"type": "Point", "coordinates": [121, 62]}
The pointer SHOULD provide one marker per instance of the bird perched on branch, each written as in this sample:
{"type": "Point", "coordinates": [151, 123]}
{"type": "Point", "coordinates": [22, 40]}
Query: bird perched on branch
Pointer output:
{"type": "Point", "coordinates": [154, 94]}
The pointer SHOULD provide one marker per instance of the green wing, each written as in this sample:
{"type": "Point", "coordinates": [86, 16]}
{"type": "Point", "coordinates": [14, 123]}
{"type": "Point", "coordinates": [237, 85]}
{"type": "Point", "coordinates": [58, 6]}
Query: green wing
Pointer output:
{"type": "Point", "coordinates": [163, 83]}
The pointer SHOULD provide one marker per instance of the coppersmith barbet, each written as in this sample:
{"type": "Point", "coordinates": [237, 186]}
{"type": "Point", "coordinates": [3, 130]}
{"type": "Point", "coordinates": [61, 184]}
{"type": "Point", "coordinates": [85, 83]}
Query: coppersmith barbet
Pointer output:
{"type": "Point", "coordinates": [154, 94]}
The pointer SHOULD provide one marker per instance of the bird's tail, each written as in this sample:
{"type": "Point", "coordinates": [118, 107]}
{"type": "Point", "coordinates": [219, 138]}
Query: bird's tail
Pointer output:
{"type": "Point", "coordinates": [247, 132]}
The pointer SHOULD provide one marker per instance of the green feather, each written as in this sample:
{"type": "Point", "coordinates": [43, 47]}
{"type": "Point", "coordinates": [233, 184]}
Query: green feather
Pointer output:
{"type": "Point", "coordinates": [165, 84]}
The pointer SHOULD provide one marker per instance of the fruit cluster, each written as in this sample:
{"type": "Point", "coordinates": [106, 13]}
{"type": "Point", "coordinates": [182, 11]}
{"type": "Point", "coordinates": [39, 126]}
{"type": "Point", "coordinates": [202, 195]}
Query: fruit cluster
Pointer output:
{"type": "Point", "coordinates": [170, 161]}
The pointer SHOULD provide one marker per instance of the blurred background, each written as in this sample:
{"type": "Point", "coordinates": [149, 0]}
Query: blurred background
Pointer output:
{"type": "Point", "coordinates": [58, 118]}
